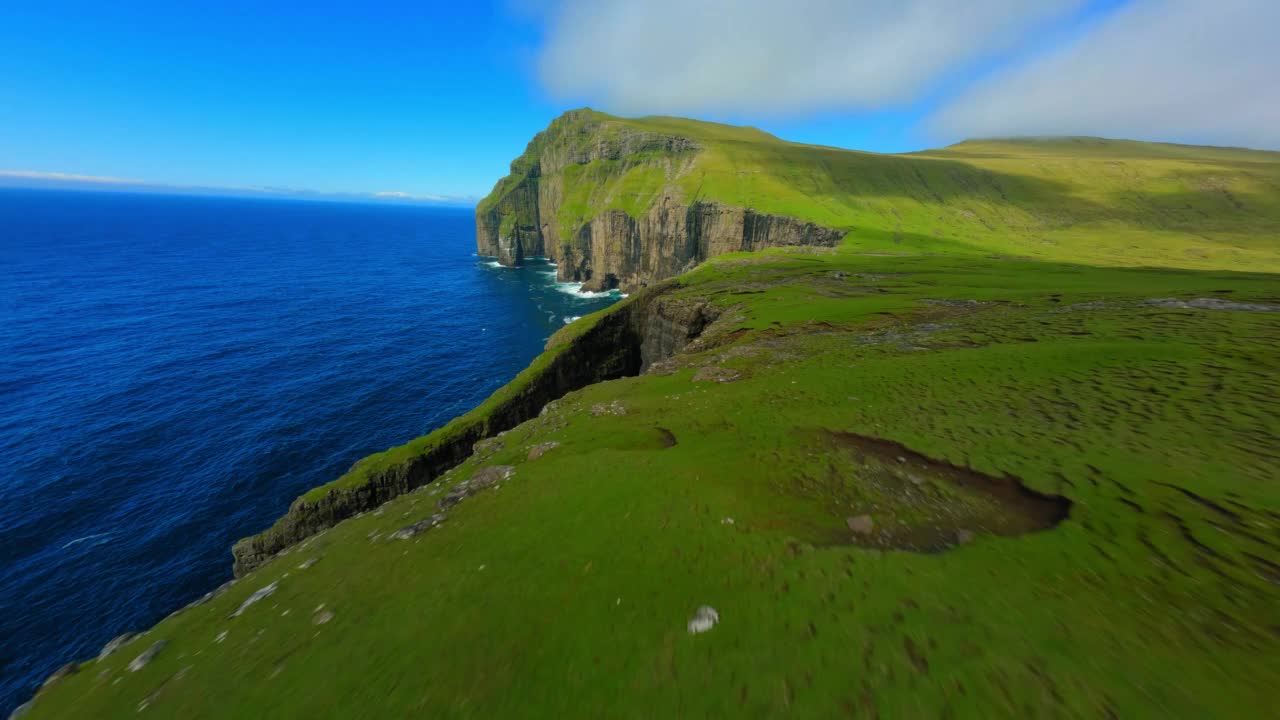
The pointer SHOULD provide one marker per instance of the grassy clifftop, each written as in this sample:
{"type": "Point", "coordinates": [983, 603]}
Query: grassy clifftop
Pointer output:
{"type": "Point", "coordinates": [963, 465]}
{"type": "Point", "coordinates": [1083, 200]}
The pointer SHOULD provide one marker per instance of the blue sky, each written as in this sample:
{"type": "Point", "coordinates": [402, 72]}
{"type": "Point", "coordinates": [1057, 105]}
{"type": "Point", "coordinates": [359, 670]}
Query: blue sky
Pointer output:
{"type": "Point", "coordinates": [436, 99]}
{"type": "Point", "coordinates": [324, 96]}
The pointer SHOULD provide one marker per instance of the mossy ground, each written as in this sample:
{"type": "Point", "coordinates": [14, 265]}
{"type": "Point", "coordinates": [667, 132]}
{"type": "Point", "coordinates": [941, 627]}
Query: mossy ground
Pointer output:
{"type": "Point", "coordinates": [564, 591]}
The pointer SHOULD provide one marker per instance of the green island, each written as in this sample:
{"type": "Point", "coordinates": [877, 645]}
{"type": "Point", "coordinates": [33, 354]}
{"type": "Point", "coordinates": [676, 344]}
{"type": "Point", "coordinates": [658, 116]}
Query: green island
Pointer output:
{"type": "Point", "coordinates": [986, 431]}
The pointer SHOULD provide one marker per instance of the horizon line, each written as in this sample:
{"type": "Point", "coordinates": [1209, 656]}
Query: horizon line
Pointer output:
{"type": "Point", "coordinates": [38, 180]}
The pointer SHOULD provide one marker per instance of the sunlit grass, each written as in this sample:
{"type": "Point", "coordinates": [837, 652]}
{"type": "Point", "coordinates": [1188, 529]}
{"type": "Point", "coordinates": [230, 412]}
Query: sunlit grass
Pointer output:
{"type": "Point", "coordinates": [978, 315]}
{"type": "Point", "coordinates": [566, 590]}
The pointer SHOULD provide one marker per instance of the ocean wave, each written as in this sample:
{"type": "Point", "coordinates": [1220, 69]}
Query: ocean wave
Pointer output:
{"type": "Point", "coordinates": [568, 320]}
{"type": "Point", "coordinates": [87, 538]}
{"type": "Point", "coordinates": [575, 289]}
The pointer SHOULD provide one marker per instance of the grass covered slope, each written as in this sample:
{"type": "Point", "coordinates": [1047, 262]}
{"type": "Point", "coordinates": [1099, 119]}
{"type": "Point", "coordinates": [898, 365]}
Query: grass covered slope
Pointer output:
{"type": "Point", "coordinates": [1078, 200]}
{"type": "Point", "coordinates": [946, 399]}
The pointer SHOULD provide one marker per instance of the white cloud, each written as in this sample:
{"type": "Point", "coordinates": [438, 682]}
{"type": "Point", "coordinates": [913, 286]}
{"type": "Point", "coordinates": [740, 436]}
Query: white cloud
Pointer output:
{"type": "Point", "coordinates": [771, 56]}
{"type": "Point", "coordinates": [1195, 70]}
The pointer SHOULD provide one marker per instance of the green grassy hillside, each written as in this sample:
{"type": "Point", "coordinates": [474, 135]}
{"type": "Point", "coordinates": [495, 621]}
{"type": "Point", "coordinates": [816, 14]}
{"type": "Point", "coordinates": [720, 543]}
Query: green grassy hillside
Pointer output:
{"type": "Point", "coordinates": [1081, 200]}
{"type": "Point", "coordinates": [965, 465]}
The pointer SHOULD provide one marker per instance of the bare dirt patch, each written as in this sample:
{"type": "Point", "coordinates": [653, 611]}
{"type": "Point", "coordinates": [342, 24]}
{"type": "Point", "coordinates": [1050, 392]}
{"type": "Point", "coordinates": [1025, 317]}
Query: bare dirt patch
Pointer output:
{"type": "Point", "coordinates": [1211, 304]}
{"type": "Point", "coordinates": [668, 437]}
{"type": "Point", "coordinates": [903, 500]}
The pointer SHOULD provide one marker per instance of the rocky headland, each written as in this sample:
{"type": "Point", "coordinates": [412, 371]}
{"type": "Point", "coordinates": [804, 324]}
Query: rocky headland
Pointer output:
{"type": "Point", "coordinates": [637, 226]}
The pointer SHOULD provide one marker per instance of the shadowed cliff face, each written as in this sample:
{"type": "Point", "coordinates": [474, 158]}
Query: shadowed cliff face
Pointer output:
{"type": "Point", "coordinates": [537, 210]}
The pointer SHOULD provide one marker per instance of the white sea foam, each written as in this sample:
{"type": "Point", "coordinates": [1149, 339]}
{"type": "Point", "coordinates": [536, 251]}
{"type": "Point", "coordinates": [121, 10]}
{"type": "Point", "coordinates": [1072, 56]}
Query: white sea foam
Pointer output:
{"type": "Point", "coordinates": [87, 538]}
{"type": "Point", "coordinates": [575, 289]}
{"type": "Point", "coordinates": [571, 319]}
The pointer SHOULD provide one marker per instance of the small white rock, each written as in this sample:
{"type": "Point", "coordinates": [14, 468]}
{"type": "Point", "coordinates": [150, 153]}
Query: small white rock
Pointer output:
{"type": "Point", "coordinates": [147, 656]}
{"type": "Point", "coordinates": [255, 597]}
{"type": "Point", "coordinates": [703, 620]}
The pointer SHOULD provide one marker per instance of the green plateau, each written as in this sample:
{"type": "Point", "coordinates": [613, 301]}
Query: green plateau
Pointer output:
{"type": "Point", "coordinates": [1009, 448]}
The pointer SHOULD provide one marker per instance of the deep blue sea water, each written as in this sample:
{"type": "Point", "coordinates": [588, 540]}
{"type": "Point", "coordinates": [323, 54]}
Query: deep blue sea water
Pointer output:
{"type": "Point", "coordinates": [175, 370]}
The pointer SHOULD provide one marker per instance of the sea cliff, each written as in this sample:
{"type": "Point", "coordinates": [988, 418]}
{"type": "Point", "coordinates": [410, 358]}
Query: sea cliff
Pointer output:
{"type": "Point", "coordinates": [601, 199]}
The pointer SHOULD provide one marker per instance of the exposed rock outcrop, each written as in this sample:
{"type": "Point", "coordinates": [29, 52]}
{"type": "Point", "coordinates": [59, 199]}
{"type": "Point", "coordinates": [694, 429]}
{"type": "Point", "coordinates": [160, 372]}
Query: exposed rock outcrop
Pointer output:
{"type": "Point", "coordinates": [256, 597]}
{"type": "Point", "coordinates": [416, 529]}
{"type": "Point", "coordinates": [541, 449]}
{"type": "Point", "coordinates": [115, 644]}
{"type": "Point", "coordinates": [538, 210]}
{"type": "Point", "coordinates": [482, 480]}
{"type": "Point", "coordinates": [670, 324]}
{"type": "Point", "coordinates": [147, 655]}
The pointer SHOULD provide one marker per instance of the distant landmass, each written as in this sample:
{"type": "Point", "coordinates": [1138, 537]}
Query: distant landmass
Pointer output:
{"type": "Point", "coordinates": [93, 183]}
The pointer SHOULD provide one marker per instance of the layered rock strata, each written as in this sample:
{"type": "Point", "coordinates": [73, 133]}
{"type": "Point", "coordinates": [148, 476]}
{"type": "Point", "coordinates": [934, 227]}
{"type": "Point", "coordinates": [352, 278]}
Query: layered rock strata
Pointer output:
{"type": "Point", "coordinates": [539, 209]}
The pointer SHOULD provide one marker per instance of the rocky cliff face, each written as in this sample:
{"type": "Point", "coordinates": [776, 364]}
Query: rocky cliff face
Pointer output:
{"type": "Point", "coordinates": [600, 199]}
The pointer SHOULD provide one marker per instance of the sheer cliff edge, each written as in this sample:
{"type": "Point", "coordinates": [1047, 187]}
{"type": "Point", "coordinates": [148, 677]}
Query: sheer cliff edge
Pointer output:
{"type": "Point", "coordinates": [609, 201]}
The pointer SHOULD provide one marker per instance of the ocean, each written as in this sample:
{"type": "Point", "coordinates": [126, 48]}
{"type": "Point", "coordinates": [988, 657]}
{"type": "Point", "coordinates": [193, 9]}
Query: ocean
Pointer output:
{"type": "Point", "coordinates": [174, 370]}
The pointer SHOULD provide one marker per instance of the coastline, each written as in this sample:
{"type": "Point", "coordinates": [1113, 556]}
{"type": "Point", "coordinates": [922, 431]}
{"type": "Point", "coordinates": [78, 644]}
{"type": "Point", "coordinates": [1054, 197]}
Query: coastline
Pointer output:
{"type": "Point", "coordinates": [619, 341]}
